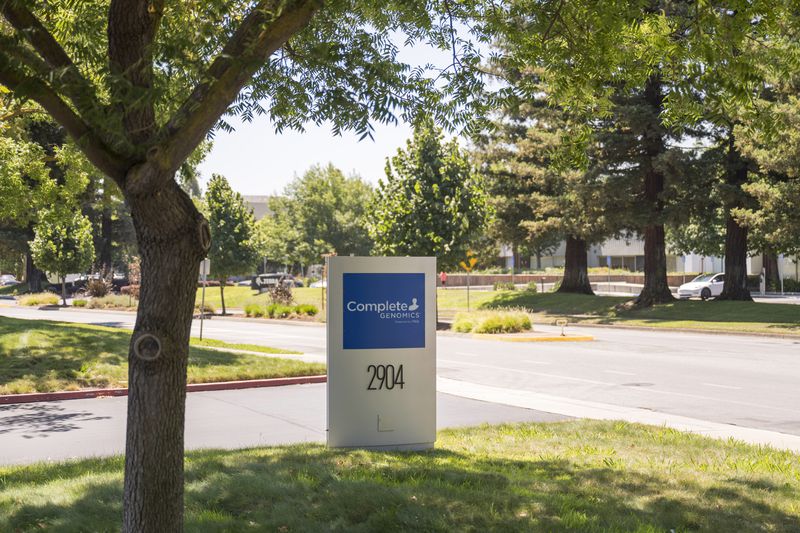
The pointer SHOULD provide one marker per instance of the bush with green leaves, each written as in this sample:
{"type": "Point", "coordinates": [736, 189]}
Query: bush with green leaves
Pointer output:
{"type": "Point", "coordinates": [532, 287]}
{"type": "Point", "coordinates": [492, 322]}
{"type": "Point", "coordinates": [306, 309]}
{"type": "Point", "coordinates": [254, 310]}
{"type": "Point", "coordinates": [791, 285]}
{"type": "Point", "coordinates": [276, 310]}
{"type": "Point", "coordinates": [504, 286]}
{"type": "Point", "coordinates": [207, 308]}
{"type": "Point", "coordinates": [79, 303]}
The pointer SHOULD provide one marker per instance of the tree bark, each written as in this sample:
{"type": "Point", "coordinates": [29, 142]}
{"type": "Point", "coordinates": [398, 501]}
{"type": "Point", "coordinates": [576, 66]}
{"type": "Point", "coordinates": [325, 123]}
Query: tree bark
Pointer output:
{"type": "Point", "coordinates": [173, 238]}
{"type": "Point", "coordinates": [771, 274]}
{"type": "Point", "coordinates": [656, 288]}
{"type": "Point", "coordinates": [735, 286]}
{"type": "Point", "coordinates": [64, 290]}
{"type": "Point", "coordinates": [33, 276]}
{"type": "Point", "coordinates": [221, 295]}
{"type": "Point", "coordinates": [576, 268]}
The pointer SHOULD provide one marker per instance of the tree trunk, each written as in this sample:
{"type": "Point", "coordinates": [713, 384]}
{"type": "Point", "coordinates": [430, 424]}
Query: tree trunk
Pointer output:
{"type": "Point", "coordinates": [221, 295]}
{"type": "Point", "coordinates": [173, 238]}
{"type": "Point", "coordinates": [33, 276]}
{"type": "Point", "coordinates": [735, 286]}
{"type": "Point", "coordinates": [538, 259]}
{"type": "Point", "coordinates": [656, 288]}
{"type": "Point", "coordinates": [771, 274]}
{"type": "Point", "coordinates": [576, 269]}
{"type": "Point", "coordinates": [64, 290]}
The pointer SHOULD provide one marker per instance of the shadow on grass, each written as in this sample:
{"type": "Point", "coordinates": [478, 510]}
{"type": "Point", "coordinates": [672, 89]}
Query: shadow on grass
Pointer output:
{"type": "Point", "coordinates": [310, 488]}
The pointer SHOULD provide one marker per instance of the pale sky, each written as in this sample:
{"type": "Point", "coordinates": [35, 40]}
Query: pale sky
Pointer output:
{"type": "Point", "coordinates": [257, 161]}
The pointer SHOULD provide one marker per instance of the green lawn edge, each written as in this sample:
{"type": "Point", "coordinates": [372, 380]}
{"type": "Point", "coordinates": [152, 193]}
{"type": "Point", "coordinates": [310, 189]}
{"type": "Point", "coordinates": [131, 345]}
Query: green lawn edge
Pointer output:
{"type": "Point", "coordinates": [50, 356]}
{"type": "Point", "coordinates": [566, 476]}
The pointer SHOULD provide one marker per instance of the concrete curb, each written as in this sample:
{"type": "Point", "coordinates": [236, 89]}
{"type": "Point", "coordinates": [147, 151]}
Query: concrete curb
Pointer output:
{"type": "Point", "coordinates": [192, 387]}
{"type": "Point", "coordinates": [530, 338]}
{"type": "Point", "coordinates": [795, 336]}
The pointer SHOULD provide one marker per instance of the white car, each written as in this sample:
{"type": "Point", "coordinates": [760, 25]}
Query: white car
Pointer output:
{"type": "Point", "coordinates": [8, 279]}
{"type": "Point", "coordinates": [704, 286]}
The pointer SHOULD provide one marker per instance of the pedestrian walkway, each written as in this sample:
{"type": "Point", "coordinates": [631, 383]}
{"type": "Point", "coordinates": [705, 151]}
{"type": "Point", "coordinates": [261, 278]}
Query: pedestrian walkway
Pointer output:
{"type": "Point", "coordinates": [50, 431]}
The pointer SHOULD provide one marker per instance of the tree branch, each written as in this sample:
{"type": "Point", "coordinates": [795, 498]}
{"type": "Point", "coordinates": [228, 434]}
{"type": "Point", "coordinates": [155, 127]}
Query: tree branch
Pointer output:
{"type": "Point", "coordinates": [77, 88]}
{"type": "Point", "coordinates": [257, 38]}
{"type": "Point", "coordinates": [96, 151]}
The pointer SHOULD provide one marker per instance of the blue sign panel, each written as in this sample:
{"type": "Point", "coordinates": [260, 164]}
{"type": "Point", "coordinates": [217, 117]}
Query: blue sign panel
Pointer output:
{"type": "Point", "coordinates": [383, 311]}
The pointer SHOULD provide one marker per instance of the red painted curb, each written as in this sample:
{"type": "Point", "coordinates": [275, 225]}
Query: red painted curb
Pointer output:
{"type": "Point", "coordinates": [192, 387]}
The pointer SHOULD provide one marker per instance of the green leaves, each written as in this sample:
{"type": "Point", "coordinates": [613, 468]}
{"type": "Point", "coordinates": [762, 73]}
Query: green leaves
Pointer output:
{"type": "Point", "coordinates": [432, 202]}
{"type": "Point", "coordinates": [231, 221]}
{"type": "Point", "coordinates": [62, 242]}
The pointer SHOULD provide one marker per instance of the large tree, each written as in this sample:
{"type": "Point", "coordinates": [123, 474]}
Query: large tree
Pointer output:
{"type": "Point", "coordinates": [232, 223]}
{"type": "Point", "coordinates": [432, 201]}
{"type": "Point", "coordinates": [138, 85]}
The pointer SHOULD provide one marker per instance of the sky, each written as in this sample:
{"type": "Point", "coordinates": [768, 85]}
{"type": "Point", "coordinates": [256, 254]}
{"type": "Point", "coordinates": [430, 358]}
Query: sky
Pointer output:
{"type": "Point", "coordinates": [258, 161]}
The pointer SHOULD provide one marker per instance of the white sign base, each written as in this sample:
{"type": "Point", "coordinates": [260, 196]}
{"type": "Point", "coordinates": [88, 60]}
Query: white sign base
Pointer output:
{"type": "Point", "coordinates": [381, 352]}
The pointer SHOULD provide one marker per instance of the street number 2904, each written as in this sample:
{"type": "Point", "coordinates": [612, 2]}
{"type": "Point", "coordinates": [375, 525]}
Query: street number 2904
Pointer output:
{"type": "Point", "coordinates": [385, 377]}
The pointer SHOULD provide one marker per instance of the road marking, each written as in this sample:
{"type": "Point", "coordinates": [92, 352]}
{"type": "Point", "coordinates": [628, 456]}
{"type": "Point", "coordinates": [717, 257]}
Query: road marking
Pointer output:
{"type": "Point", "coordinates": [722, 386]}
{"type": "Point", "coordinates": [619, 372]}
{"type": "Point", "coordinates": [536, 362]}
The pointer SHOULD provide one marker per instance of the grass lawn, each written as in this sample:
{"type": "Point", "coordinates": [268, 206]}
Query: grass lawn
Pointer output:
{"type": "Point", "coordinates": [691, 314]}
{"type": "Point", "coordinates": [567, 476]}
{"type": "Point", "coordinates": [45, 356]}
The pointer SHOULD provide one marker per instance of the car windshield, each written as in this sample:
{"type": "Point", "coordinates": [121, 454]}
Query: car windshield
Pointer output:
{"type": "Point", "coordinates": [703, 277]}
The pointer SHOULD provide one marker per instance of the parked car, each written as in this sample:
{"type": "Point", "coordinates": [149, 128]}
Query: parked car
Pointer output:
{"type": "Point", "coordinates": [704, 286]}
{"type": "Point", "coordinates": [262, 282]}
{"type": "Point", "coordinates": [319, 284]}
{"type": "Point", "coordinates": [8, 279]}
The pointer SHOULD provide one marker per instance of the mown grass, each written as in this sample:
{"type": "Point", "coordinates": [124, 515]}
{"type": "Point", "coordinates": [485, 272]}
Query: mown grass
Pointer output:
{"type": "Point", "coordinates": [46, 356]}
{"type": "Point", "coordinates": [566, 476]}
{"type": "Point", "coordinates": [747, 317]}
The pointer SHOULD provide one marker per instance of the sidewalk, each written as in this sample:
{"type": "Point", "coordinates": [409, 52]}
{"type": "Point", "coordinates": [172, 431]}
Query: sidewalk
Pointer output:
{"type": "Point", "coordinates": [222, 419]}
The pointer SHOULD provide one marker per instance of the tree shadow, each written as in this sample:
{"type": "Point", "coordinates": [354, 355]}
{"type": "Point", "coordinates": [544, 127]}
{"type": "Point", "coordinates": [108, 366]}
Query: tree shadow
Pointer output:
{"type": "Point", "coordinates": [311, 488]}
{"type": "Point", "coordinates": [39, 419]}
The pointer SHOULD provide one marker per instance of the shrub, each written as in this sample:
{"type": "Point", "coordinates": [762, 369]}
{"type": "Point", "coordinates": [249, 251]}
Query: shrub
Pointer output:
{"type": "Point", "coordinates": [556, 286]}
{"type": "Point", "coordinates": [276, 310]}
{"type": "Point", "coordinates": [791, 285]}
{"type": "Point", "coordinates": [504, 286]}
{"type": "Point", "coordinates": [97, 288]}
{"type": "Point", "coordinates": [532, 287]}
{"type": "Point", "coordinates": [280, 294]}
{"type": "Point", "coordinates": [306, 309]}
{"type": "Point", "coordinates": [112, 302]}
{"type": "Point", "coordinates": [131, 290]}
{"type": "Point", "coordinates": [254, 310]}
{"type": "Point", "coordinates": [492, 322]}
{"type": "Point", "coordinates": [207, 308]}
{"type": "Point", "coordinates": [79, 303]}
{"type": "Point", "coordinates": [209, 283]}
{"type": "Point", "coordinates": [40, 298]}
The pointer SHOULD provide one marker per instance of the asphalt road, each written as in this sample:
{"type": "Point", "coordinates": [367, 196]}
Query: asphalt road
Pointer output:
{"type": "Point", "coordinates": [741, 380]}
